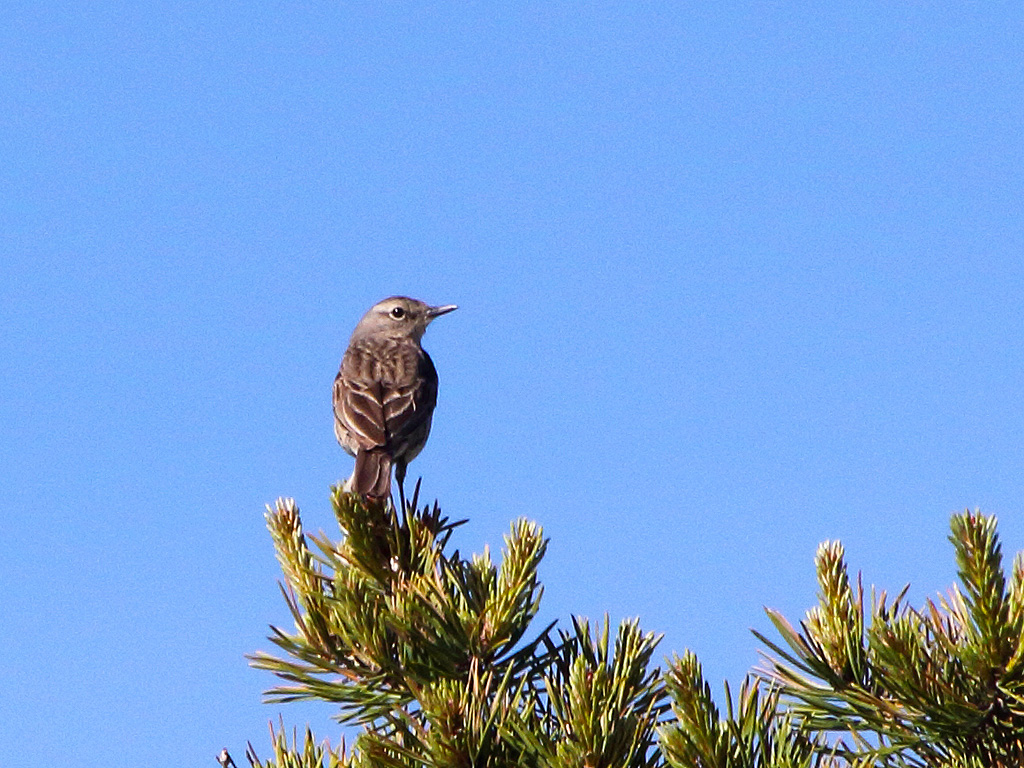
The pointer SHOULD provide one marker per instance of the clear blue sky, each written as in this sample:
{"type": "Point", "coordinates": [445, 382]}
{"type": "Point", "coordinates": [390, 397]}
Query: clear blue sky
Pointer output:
{"type": "Point", "coordinates": [734, 278]}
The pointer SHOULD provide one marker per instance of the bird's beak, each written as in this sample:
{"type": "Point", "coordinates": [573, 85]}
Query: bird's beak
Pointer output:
{"type": "Point", "coordinates": [438, 311]}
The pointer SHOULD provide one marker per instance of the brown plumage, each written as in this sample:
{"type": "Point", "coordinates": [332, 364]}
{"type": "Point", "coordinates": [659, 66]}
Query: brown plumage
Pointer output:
{"type": "Point", "coordinates": [385, 393]}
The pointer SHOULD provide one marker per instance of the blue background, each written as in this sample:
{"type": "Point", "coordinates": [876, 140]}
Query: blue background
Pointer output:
{"type": "Point", "coordinates": [734, 278]}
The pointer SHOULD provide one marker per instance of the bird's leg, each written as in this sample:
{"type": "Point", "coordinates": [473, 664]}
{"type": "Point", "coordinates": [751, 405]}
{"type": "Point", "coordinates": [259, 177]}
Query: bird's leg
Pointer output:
{"type": "Point", "coordinates": [400, 477]}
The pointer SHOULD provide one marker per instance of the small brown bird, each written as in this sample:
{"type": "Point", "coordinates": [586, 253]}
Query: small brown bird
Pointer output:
{"type": "Point", "coordinates": [385, 393]}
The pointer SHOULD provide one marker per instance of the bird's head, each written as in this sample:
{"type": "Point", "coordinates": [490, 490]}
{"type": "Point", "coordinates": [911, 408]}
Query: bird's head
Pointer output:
{"type": "Point", "coordinates": [399, 317]}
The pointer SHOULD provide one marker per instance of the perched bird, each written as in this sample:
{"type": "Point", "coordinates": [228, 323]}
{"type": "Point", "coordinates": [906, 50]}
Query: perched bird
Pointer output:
{"type": "Point", "coordinates": [225, 759]}
{"type": "Point", "coordinates": [385, 393]}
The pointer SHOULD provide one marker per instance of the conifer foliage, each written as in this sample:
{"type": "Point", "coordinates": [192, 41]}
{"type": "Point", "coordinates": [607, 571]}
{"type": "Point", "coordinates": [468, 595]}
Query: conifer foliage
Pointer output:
{"type": "Point", "coordinates": [429, 651]}
{"type": "Point", "coordinates": [938, 686]}
{"type": "Point", "coordinates": [432, 655]}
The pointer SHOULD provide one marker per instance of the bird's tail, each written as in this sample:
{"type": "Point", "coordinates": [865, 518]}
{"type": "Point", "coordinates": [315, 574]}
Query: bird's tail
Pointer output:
{"type": "Point", "coordinates": [372, 475]}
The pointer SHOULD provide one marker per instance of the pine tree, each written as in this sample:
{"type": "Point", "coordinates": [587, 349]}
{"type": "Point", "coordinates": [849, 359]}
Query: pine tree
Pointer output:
{"type": "Point", "coordinates": [431, 655]}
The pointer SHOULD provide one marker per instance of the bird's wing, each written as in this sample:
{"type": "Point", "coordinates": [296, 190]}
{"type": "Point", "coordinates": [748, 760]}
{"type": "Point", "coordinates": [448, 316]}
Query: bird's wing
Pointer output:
{"type": "Point", "coordinates": [410, 403]}
{"type": "Point", "coordinates": [359, 407]}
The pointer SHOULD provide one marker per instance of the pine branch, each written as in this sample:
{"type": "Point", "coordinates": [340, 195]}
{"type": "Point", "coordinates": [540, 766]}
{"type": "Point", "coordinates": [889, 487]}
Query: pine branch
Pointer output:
{"type": "Point", "coordinates": [309, 755]}
{"type": "Point", "coordinates": [939, 686]}
{"type": "Point", "coordinates": [426, 649]}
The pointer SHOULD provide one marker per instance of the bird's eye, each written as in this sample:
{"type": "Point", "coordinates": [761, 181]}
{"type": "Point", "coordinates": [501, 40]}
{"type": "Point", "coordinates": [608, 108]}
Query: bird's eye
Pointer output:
{"type": "Point", "coordinates": [398, 313]}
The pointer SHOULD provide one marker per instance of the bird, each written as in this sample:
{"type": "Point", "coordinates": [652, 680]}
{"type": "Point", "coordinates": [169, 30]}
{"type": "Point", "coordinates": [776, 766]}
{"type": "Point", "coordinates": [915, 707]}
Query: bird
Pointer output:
{"type": "Point", "coordinates": [225, 759]}
{"type": "Point", "coordinates": [385, 392]}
